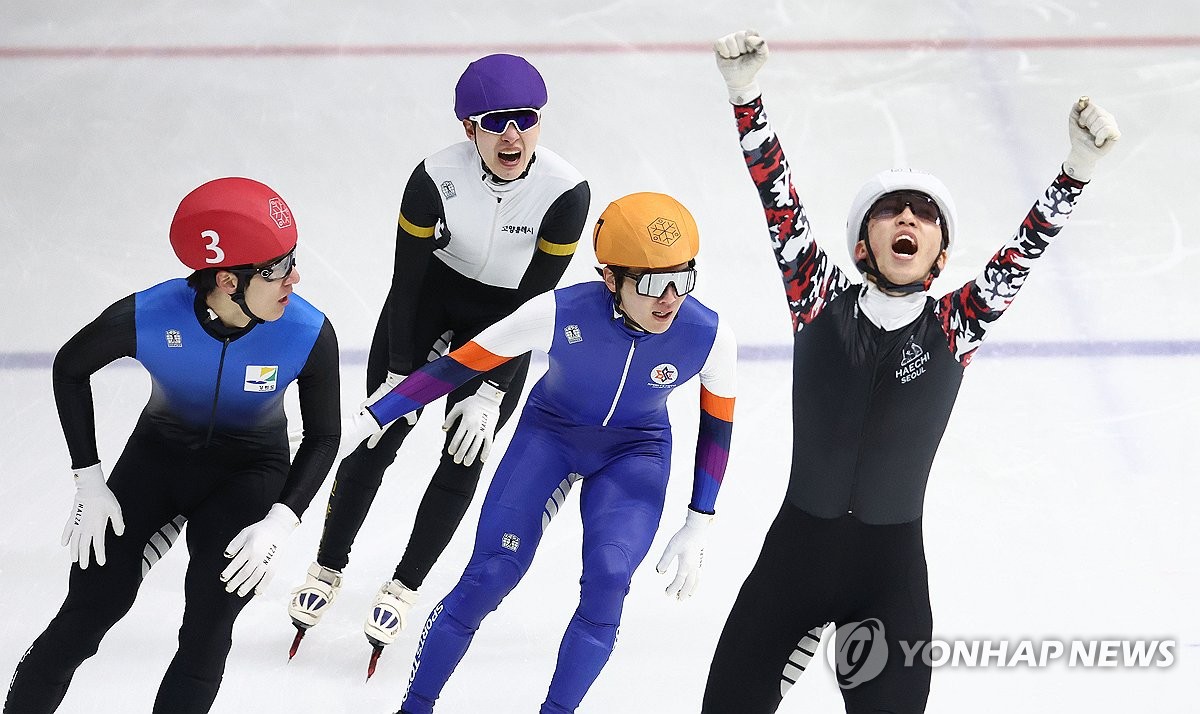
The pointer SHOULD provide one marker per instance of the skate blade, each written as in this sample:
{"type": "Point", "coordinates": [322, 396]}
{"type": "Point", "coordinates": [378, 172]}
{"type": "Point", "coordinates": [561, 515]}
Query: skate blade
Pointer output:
{"type": "Point", "coordinates": [296, 642]}
{"type": "Point", "coordinates": [375, 653]}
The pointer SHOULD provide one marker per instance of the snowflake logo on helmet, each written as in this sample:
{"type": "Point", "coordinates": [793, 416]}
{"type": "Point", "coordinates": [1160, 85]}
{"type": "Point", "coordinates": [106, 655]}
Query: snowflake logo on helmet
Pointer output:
{"type": "Point", "coordinates": [664, 230]}
{"type": "Point", "coordinates": [280, 213]}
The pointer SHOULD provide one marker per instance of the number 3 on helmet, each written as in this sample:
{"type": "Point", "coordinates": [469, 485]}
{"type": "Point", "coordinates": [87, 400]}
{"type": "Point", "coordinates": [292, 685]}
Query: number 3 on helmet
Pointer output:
{"type": "Point", "coordinates": [230, 222]}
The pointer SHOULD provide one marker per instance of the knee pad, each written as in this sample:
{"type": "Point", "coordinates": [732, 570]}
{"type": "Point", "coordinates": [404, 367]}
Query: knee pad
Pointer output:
{"type": "Point", "coordinates": [605, 582]}
{"type": "Point", "coordinates": [499, 574]}
{"type": "Point", "coordinates": [481, 590]}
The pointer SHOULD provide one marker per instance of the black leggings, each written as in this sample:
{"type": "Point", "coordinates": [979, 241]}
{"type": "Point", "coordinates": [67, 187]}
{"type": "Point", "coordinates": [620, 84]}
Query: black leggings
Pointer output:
{"type": "Point", "coordinates": [221, 491]}
{"type": "Point", "coordinates": [812, 571]}
{"type": "Point", "coordinates": [450, 490]}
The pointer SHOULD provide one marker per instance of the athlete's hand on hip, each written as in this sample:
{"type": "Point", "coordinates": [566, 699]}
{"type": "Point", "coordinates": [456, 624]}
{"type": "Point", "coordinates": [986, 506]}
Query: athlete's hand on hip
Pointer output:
{"type": "Point", "coordinates": [392, 381]}
{"type": "Point", "coordinates": [477, 416]}
{"type": "Point", "coordinates": [95, 505]}
{"type": "Point", "coordinates": [739, 57]}
{"type": "Point", "coordinates": [253, 551]}
{"type": "Point", "coordinates": [1093, 132]}
{"type": "Point", "coordinates": [686, 546]}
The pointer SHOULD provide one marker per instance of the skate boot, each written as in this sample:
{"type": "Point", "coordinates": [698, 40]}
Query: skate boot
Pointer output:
{"type": "Point", "coordinates": [311, 600]}
{"type": "Point", "coordinates": [389, 615]}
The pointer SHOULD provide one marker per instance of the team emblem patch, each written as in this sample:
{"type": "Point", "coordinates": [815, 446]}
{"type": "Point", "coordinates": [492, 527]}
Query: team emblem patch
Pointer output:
{"type": "Point", "coordinates": [573, 334]}
{"type": "Point", "coordinates": [912, 362]}
{"type": "Point", "coordinates": [664, 231]}
{"type": "Point", "coordinates": [280, 213]}
{"type": "Point", "coordinates": [174, 339]}
{"type": "Point", "coordinates": [664, 374]}
{"type": "Point", "coordinates": [260, 378]}
{"type": "Point", "coordinates": [448, 189]}
{"type": "Point", "coordinates": [510, 541]}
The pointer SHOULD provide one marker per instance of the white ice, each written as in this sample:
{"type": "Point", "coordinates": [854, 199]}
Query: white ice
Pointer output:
{"type": "Point", "coordinates": [1063, 501]}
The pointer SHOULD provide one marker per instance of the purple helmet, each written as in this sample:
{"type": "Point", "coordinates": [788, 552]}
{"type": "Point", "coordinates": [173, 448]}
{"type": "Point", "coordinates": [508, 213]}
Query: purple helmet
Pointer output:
{"type": "Point", "coordinates": [498, 82]}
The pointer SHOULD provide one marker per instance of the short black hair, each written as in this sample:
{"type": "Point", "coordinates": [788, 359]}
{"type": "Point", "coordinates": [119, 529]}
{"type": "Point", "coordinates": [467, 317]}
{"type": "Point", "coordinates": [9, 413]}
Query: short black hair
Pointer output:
{"type": "Point", "coordinates": [203, 281]}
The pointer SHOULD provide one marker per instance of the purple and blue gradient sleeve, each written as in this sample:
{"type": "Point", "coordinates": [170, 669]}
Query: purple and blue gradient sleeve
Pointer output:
{"type": "Point", "coordinates": [433, 380]}
{"type": "Point", "coordinates": [712, 449]}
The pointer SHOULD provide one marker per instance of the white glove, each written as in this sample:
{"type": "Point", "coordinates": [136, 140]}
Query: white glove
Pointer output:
{"type": "Point", "coordinates": [688, 546]}
{"type": "Point", "coordinates": [253, 549]}
{"type": "Point", "coordinates": [739, 57]}
{"type": "Point", "coordinates": [477, 416]}
{"type": "Point", "coordinates": [1093, 132]}
{"type": "Point", "coordinates": [392, 381]}
{"type": "Point", "coordinates": [95, 506]}
{"type": "Point", "coordinates": [363, 425]}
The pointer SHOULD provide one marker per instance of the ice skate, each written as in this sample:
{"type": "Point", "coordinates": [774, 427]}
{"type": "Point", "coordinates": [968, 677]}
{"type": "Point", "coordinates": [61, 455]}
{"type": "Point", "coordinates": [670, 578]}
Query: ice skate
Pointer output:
{"type": "Point", "coordinates": [310, 601]}
{"type": "Point", "coordinates": [389, 615]}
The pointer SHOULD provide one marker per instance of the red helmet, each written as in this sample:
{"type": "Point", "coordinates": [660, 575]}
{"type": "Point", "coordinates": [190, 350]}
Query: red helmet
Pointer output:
{"type": "Point", "coordinates": [229, 222]}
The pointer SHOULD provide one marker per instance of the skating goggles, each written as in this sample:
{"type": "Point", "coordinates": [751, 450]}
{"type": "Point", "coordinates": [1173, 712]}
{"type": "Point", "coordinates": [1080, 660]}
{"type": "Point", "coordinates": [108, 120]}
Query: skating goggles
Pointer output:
{"type": "Point", "coordinates": [893, 204]}
{"type": "Point", "coordinates": [497, 122]}
{"type": "Point", "coordinates": [655, 284]}
{"type": "Point", "coordinates": [278, 269]}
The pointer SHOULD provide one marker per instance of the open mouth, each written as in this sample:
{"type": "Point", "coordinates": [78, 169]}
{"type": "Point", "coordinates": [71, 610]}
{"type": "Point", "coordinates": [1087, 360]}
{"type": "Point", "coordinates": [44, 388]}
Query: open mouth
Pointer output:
{"type": "Point", "coordinates": [904, 245]}
{"type": "Point", "coordinates": [662, 315]}
{"type": "Point", "coordinates": [509, 158]}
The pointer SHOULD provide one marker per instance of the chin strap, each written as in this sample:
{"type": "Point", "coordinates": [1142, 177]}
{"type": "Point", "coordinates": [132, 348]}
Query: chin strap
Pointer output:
{"type": "Point", "coordinates": [867, 267]}
{"type": "Point", "coordinates": [239, 297]}
{"type": "Point", "coordinates": [617, 309]}
{"type": "Point", "coordinates": [629, 321]}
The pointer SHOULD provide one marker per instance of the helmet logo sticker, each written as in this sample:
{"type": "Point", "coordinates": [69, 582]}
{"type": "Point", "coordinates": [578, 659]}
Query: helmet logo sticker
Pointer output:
{"type": "Point", "coordinates": [664, 231]}
{"type": "Point", "coordinates": [664, 374]}
{"type": "Point", "coordinates": [174, 338]}
{"type": "Point", "coordinates": [279, 212]}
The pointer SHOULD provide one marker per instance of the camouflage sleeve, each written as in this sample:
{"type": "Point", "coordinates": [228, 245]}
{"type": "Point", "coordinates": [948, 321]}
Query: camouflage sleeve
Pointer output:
{"type": "Point", "coordinates": [810, 279]}
{"type": "Point", "coordinates": [967, 312]}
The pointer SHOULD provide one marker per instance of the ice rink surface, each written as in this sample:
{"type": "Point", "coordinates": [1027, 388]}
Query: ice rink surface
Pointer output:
{"type": "Point", "coordinates": [1063, 502]}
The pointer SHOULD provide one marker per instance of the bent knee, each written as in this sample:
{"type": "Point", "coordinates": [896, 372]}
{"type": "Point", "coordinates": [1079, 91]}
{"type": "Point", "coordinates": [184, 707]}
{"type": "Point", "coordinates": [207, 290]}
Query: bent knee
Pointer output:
{"type": "Point", "coordinates": [607, 570]}
{"type": "Point", "coordinates": [498, 574]}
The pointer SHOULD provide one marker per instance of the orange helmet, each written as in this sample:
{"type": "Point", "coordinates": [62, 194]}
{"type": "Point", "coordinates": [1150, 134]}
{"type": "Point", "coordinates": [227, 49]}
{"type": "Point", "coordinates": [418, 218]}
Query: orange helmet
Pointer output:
{"type": "Point", "coordinates": [645, 230]}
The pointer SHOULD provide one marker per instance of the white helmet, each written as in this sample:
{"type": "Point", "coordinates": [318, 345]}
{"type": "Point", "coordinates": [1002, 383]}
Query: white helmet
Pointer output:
{"type": "Point", "coordinates": [886, 182]}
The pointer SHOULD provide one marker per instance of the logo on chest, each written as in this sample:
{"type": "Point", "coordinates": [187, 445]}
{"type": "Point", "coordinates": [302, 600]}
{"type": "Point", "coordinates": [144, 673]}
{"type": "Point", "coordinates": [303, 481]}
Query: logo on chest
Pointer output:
{"type": "Point", "coordinates": [912, 362]}
{"type": "Point", "coordinates": [573, 334]}
{"type": "Point", "coordinates": [448, 189]}
{"type": "Point", "coordinates": [174, 339]}
{"type": "Point", "coordinates": [664, 375]}
{"type": "Point", "coordinates": [261, 378]}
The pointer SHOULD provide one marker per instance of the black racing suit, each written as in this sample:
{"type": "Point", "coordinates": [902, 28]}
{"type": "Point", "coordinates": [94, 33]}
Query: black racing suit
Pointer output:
{"type": "Point", "coordinates": [870, 406]}
{"type": "Point", "coordinates": [469, 250]}
{"type": "Point", "coordinates": [211, 444]}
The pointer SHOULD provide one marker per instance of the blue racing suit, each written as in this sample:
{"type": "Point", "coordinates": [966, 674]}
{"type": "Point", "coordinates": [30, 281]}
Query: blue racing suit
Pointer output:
{"type": "Point", "coordinates": [598, 416]}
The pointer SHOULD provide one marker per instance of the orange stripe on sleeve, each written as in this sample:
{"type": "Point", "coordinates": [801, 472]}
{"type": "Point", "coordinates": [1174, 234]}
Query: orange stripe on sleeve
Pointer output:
{"type": "Point", "coordinates": [719, 407]}
{"type": "Point", "coordinates": [477, 358]}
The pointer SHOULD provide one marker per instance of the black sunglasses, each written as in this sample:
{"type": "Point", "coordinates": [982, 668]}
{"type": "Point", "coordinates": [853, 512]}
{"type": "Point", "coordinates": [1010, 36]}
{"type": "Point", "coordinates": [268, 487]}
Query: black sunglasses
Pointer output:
{"type": "Point", "coordinates": [893, 204]}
